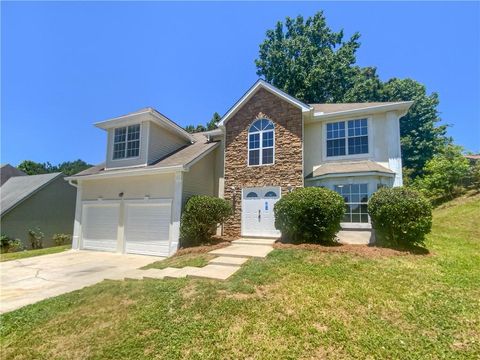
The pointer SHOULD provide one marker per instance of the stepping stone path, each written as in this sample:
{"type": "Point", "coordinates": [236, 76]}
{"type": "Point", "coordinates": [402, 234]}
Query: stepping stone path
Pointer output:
{"type": "Point", "coordinates": [228, 262]}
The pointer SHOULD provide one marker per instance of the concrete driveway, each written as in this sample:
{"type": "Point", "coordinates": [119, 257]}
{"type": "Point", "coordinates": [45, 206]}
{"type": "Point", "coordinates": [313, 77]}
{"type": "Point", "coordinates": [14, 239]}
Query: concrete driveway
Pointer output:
{"type": "Point", "coordinates": [30, 280]}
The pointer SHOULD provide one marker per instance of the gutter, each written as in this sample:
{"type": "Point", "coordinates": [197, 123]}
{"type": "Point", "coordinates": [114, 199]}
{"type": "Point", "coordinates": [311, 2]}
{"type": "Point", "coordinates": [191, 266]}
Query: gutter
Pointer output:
{"type": "Point", "coordinates": [136, 172]}
{"type": "Point", "coordinates": [361, 173]}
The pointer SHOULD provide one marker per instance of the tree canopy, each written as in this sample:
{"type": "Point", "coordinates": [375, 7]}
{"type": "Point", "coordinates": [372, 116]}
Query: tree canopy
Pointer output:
{"type": "Point", "coordinates": [311, 62]}
{"type": "Point", "coordinates": [68, 167]}
{"type": "Point", "coordinates": [212, 124]}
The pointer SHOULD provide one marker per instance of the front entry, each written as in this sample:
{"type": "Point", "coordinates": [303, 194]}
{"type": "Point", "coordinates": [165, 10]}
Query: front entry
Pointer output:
{"type": "Point", "coordinates": [257, 211]}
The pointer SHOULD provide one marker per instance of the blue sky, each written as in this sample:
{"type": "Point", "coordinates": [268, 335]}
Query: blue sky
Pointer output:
{"type": "Point", "coordinates": [67, 65]}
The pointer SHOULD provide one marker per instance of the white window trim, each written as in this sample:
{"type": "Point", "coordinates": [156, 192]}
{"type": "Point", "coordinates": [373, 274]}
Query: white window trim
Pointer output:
{"type": "Point", "coordinates": [126, 142]}
{"type": "Point", "coordinates": [368, 155]}
{"type": "Point", "coordinates": [261, 132]}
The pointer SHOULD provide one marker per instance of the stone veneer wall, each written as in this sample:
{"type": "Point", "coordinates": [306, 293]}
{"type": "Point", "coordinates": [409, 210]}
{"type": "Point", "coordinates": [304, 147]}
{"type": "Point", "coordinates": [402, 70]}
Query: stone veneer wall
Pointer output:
{"type": "Point", "coordinates": [288, 166]}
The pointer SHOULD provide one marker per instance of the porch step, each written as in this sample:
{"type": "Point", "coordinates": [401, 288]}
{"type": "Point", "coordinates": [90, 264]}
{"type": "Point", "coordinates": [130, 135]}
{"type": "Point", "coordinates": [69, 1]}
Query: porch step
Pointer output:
{"type": "Point", "coordinates": [217, 272]}
{"type": "Point", "coordinates": [254, 241]}
{"type": "Point", "coordinates": [242, 250]}
{"type": "Point", "coordinates": [228, 261]}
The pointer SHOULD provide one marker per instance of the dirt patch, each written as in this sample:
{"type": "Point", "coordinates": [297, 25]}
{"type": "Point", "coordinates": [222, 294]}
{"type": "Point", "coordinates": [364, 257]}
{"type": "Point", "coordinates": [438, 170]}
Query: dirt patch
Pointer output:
{"type": "Point", "coordinates": [362, 250]}
{"type": "Point", "coordinates": [217, 244]}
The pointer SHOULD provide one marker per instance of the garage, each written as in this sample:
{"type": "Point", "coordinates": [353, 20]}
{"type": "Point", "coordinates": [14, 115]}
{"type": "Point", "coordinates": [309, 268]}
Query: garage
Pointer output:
{"type": "Point", "coordinates": [128, 226]}
{"type": "Point", "coordinates": [100, 225]}
{"type": "Point", "coordinates": [147, 227]}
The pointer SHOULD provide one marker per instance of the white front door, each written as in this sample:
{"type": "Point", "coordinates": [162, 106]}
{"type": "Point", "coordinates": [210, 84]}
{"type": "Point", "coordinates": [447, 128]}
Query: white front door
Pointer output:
{"type": "Point", "coordinates": [147, 226]}
{"type": "Point", "coordinates": [257, 211]}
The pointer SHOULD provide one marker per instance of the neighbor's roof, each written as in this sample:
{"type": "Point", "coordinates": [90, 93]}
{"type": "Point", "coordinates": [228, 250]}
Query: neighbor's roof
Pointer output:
{"type": "Point", "coordinates": [7, 171]}
{"type": "Point", "coordinates": [185, 156]}
{"type": "Point", "coordinates": [340, 168]}
{"type": "Point", "coordinates": [19, 188]}
{"type": "Point", "coordinates": [473, 157]}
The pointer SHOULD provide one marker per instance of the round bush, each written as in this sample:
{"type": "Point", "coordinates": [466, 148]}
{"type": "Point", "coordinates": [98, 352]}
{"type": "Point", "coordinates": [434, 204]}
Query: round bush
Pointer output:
{"type": "Point", "coordinates": [309, 214]}
{"type": "Point", "coordinates": [400, 216]}
{"type": "Point", "coordinates": [200, 218]}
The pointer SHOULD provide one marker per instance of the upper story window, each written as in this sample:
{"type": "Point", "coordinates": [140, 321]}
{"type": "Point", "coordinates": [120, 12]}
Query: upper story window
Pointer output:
{"type": "Point", "coordinates": [261, 142]}
{"type": "Point", "coordinates": [126, 142]}
{"type": "Point", "coordinates": [347, 137]}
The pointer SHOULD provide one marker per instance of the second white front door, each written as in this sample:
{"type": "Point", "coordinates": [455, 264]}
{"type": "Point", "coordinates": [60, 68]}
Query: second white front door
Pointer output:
{"type": "Point", "coordinates": [257, 211]}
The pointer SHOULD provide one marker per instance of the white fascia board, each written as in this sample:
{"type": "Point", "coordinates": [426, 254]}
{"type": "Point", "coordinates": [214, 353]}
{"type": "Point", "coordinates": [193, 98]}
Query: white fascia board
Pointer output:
{"type": "Point", "coordinates": [263, 84]}
{"type": "Point", "coordinates": [136, 172]}
{"type": "Point", "coordinates": [351, 174]}
{"type": "Point", "coordinates": [400, 106]}
{"type": "Point", "coordinates": [149, 115]}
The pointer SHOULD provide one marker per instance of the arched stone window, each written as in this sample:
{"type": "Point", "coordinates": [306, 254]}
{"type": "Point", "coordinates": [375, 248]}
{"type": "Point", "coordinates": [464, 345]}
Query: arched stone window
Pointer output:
{"type": "Point", "coordinates": [261, 143]}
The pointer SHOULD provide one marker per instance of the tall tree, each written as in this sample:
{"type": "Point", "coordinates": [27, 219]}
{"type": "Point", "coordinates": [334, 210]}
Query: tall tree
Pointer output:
{"type": "Point", "coordinates": [72, 167]}
{"type": "Point", "coordinates": [212, 124]}
{"type": "Point", "coordinates": [309, 61]}
{"type": "Point", "coordinates": [68, 167]}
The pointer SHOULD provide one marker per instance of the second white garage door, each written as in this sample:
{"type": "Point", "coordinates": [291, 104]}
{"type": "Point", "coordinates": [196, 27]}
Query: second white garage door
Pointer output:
{"type": "Point", "coordinates": [147, 226]}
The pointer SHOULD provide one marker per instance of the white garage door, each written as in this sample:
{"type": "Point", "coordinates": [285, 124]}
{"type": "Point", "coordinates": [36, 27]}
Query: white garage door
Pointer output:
{"type": "Point", "coordinates": [100, 225]}
{"type": "Point", "coordinates": [258, 218]}
{"type": "Point", "coordinates": [147, 227]}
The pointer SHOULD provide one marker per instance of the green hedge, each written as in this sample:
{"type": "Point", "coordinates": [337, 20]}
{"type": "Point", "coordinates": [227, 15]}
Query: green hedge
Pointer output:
{"type": "Point", "coordinates": [400, 216]}
{"type": "Point", "coordinates": [309, 215]}
{"type": "Point", "coordinates": [200, 218]}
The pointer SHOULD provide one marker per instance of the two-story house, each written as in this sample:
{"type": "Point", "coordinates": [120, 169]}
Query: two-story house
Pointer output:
{"type": "Point", "coordinates": [265, 146]}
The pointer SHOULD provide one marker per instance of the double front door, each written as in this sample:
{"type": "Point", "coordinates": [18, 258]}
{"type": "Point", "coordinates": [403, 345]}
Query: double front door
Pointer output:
{"type": "Point", "coordinates": [257, 211]}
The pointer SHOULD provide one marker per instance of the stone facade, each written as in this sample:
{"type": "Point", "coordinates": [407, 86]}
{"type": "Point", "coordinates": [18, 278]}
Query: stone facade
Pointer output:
{"type": "Point", "coordinates": [287, 169]}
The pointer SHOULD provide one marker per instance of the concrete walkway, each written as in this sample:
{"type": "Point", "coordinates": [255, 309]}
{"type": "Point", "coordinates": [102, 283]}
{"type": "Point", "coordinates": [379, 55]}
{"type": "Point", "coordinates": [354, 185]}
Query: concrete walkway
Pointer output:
{"type": "Point", "coordinates": [228, 262]}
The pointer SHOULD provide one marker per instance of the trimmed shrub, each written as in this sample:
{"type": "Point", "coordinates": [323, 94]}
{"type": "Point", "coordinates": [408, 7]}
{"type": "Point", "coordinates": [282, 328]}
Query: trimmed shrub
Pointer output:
{"type": "Point", "coordinates": [36, 237]}
{"type": "Point", "coordinates": [200, 218]}
{"type": "Point", "coordinates": [8, 244]}
{"type": "Point", "coordinates": [61, 239]}
{"type": "Point", "coordinates": [309, 214]}
{"type": "Point", "coordinates": [400, 216]}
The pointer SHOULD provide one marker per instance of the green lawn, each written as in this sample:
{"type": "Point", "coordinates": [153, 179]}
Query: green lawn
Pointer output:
{"type": "Point", "coordinates": [296, 304]}
{"type": "Point", "coordinates": [180, 261]}
{"type": "Point", "coordinates": [29, 253]}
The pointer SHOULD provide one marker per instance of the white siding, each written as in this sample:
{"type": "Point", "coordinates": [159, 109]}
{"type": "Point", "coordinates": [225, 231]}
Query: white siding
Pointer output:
{"type": "Point", "coordinates": [200, 180]}
{"type": "Point", "coordinates": [384, 143]}
{"type": "Point", "coordinates": [132, 187]}
{"type": "Point", "coordinates": [162, 142]}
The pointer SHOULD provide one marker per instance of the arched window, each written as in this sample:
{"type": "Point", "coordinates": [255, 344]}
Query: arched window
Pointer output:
{"type": "Point", "coordinates": [252, 194]}
{"type": "Point", "coordinates": [261, 143]}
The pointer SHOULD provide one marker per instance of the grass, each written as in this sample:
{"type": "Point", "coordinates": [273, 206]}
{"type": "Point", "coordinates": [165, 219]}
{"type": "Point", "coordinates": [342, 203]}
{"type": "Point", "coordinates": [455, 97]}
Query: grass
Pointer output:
{"type": "Point", "coordinates": [297, 304]}
{"type": "Point", "coordinates": [29, 253]}
{"type": "Point", "coordinates": [180, 261]}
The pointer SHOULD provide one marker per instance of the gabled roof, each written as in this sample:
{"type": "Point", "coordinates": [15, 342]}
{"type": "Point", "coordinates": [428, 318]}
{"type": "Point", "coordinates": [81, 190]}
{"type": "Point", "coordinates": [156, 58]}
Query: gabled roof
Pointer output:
{"type": "Point", "coordinates": [7, 171]}
{"type": "Point", "coordinates": [262, 84]}
{"type": "Point", "coordinates": [349, 167]}
{"type": "Point", "coordinates": [19, 188]}
{"type": "Point", "coordinates": [179, 160]}
{"type": "Point", "coordinates": [152, 115]}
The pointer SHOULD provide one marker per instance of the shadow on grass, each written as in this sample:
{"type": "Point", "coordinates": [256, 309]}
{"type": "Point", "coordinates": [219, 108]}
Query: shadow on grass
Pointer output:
{"type": "Point", "coordinates": [410, 249]}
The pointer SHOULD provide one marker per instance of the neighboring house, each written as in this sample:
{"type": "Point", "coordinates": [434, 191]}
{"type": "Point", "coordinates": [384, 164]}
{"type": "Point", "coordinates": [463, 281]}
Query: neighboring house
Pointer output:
{"type": "Point", "coordinates": [7, 171]}
{"type": "Point", "coordinates": [44, 201]}
{"type": "Point", "coordinates": [267, 144]}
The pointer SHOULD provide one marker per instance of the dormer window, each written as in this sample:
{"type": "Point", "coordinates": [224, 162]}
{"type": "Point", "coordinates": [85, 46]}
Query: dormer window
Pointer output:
{"type": "Point", "coordinates": [347, 137]}
{"type": "Point", "coordinates": [261, 143]}
{"type": "Point", "coordinates": [126, 142]}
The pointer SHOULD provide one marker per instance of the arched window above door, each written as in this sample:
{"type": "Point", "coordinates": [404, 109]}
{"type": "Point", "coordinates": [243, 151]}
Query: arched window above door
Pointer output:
{"type": "Point", "coordinates": [261, 143]}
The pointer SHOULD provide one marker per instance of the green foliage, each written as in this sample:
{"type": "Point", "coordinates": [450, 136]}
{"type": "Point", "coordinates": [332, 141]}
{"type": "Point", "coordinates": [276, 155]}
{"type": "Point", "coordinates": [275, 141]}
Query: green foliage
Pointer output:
{"type": "Point", "coordinates": [211, 125]}
{"type": "Point", "coordinates": [200, 218]}
{"type": "Point", "coordinates": [36, 238]}
{"type": "Point", "coordinates": [68, 167]}
{"type": "Point", "coordinates": [308, 60]}
{"type": "Point", "coordinates": [309, 215]}
{"type": "Point", "coordinates": [9, 245]}
{"type": "Point", "coordinates": [444, 175]}
{"type": "Point", "coordinates": [311, 62]}
{"type": "Point", "coordinates": [473, 180]}
{"type": "Point", "coordinates": [400, 216]}
{"type": "Point", "coordinates": [61, 239]}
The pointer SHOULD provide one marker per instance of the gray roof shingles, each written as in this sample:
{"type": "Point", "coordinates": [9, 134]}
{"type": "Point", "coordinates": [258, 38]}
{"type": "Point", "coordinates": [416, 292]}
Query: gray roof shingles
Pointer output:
{"type": "Point", "coordinates": [181, 157]}
{"type": "Point", "coordinates": [349, 167]}
{"type": "Point", "coordinates": [19, 188]}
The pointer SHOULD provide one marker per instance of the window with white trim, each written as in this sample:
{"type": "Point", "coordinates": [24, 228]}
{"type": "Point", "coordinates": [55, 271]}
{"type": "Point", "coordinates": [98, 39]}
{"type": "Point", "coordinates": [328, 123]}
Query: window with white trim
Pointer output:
{"type": "Point", "coordinates": [347, 137]}
{"type": "Point", "coordinates": [126, 142]}
{"type": "Point", "coordinates": [356, 199]}
{"type": "Point", "coordinates": [261, 143]}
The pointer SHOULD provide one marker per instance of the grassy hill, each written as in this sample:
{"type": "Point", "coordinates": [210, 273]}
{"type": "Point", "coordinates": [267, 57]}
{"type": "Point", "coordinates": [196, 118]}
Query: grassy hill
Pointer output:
{"type": "Point", "coordinates": [298, 303]}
